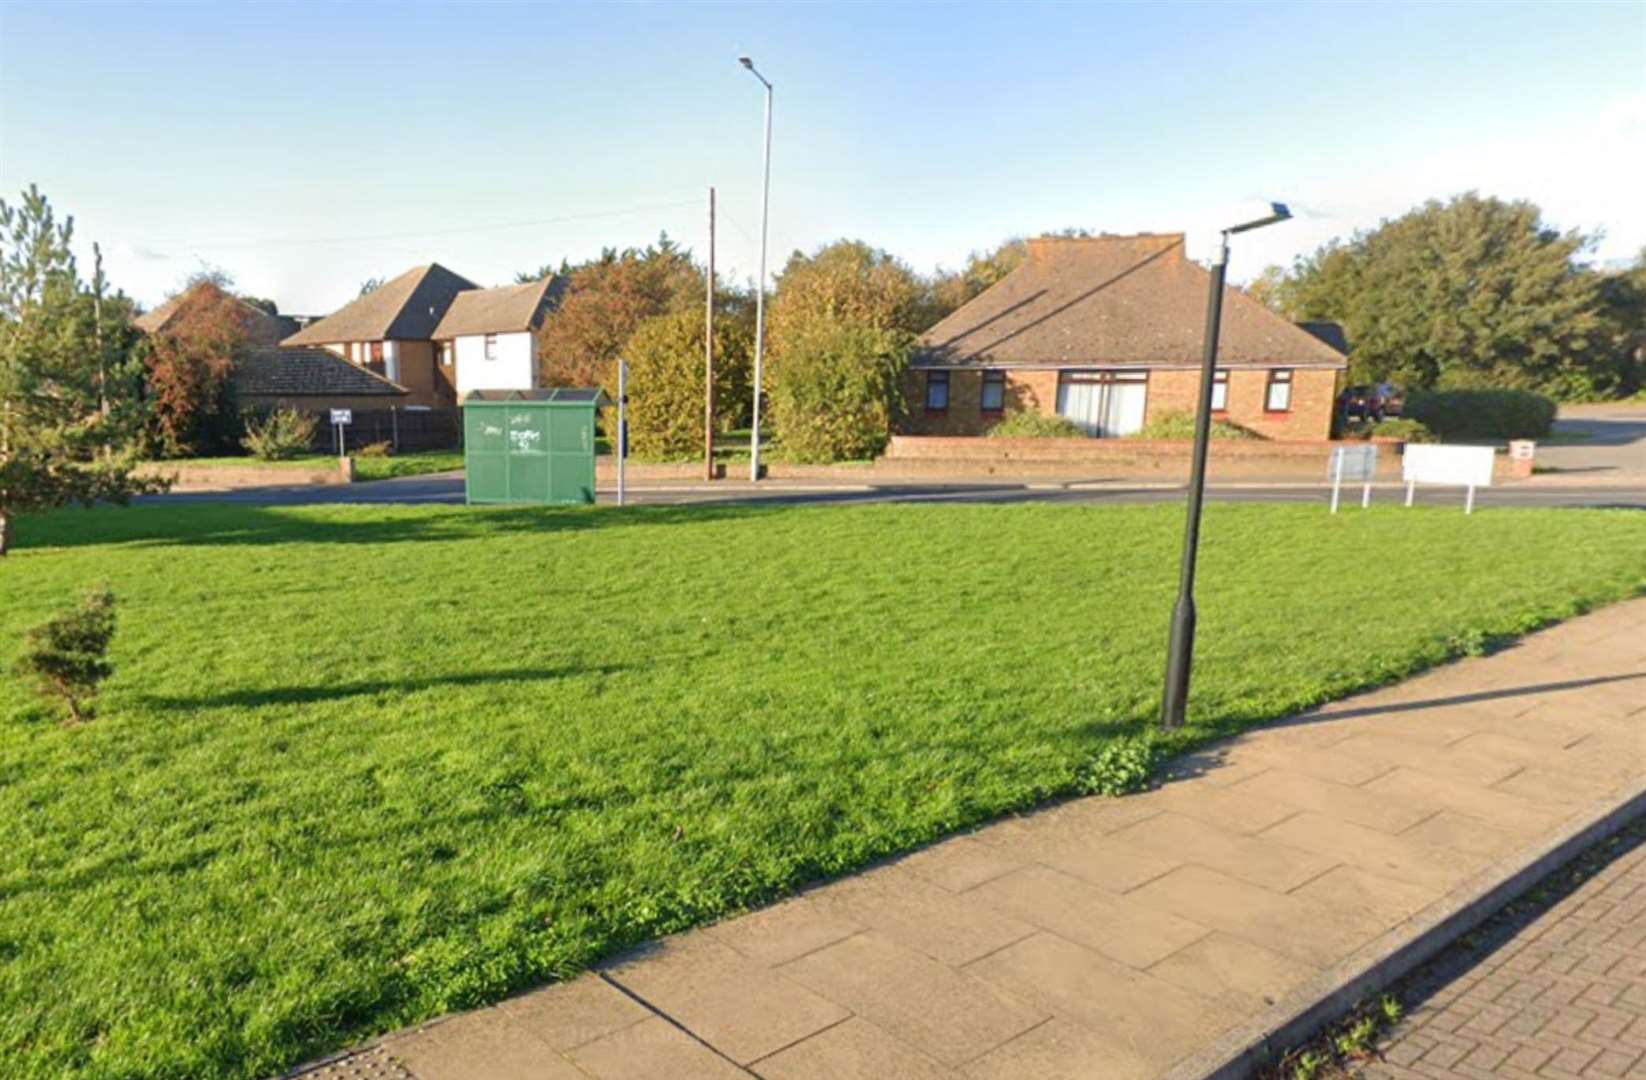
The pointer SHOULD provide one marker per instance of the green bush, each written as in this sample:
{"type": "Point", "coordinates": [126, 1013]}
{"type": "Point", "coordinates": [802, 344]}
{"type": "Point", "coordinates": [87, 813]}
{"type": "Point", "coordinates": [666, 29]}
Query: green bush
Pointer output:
{"type": "Point", "coordinates": [1120, 768]}
{"type": "Point", "coordinates": [1482, 414]}
{"type": "Point", "coordinates": [1178, 424]}
{"type": "Point", "coordinates": [665, 410]}
{"type": "Point", "coordinates": [67, 655]}
{"type": "Point", "coordinates": [282, 434]}
{"type": "Point", "coordinates": [835, 391]}
{"type": "Point", "coordinates": [1413, 431]}
{"type": "Point", "coordinates": [374, 450]}
{"type": "Point", "coordinates": [1032, 425]}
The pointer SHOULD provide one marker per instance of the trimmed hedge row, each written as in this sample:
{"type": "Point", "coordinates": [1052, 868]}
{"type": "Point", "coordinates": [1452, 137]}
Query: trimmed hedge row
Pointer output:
{"type": "Point", "coordinates": [1482, 414]}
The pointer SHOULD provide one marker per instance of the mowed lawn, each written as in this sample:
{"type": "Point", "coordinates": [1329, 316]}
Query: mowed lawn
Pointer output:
{"type": "Point", "coordinates": [363, 765]}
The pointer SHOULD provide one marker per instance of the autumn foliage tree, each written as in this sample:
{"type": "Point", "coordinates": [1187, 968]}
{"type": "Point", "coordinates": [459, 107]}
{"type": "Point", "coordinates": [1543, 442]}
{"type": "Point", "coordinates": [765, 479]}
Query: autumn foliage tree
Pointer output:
{"type": "Point", "coordinates": [189, 366]}
{"type": "Point", "coordinates": [605, 302]}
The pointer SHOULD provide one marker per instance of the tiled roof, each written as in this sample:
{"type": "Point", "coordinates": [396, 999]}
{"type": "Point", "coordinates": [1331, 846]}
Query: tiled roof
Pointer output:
{"type": "Point", "coordinates": [1105, 301]}
{"type": "Point", "coordinates": [496, 311]}
{"type": "Point", "coordinates": [406, 308]}
{"type": "Point", "coordinates": [1329, 332]}
{"type": "Point", "coordinates": [306, 372]}
{"type": "Point", "coordinates": [261, 327]}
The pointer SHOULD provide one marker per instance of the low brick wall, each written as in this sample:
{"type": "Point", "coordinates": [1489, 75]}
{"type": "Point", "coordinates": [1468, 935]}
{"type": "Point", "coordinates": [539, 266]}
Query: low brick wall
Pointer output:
{"type": "Point", "coordinates": [940, 447]}
{"type": "Point", "coordinates": [191, 477]}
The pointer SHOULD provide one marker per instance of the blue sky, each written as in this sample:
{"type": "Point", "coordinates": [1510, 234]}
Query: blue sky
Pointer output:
{"type": "Point", "coordinates": [304, 147]}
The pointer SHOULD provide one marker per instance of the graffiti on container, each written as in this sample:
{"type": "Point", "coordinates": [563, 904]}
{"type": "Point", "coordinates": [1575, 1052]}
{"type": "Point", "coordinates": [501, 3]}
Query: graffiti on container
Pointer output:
{"type": "Point", "coordinates": [525, 442]}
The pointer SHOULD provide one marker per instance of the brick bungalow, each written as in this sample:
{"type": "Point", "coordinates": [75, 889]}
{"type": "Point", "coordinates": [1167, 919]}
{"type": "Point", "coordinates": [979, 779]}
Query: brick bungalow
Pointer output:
{"type": "Point", "coordinates": [1108, 331]}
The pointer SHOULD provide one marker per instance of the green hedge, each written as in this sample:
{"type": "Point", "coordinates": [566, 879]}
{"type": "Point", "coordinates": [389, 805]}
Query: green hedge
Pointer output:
{"type": "Point", "coordinates": [1179, 424]}
{"type": "Point", "coordinates": [1482, 414]}
{"type": "Point", "coordinates": [1032, 425]}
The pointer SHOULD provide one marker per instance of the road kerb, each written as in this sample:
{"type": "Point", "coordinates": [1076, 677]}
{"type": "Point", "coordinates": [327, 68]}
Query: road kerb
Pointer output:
{"type": "Point", "coordinates": [1290, 1022]}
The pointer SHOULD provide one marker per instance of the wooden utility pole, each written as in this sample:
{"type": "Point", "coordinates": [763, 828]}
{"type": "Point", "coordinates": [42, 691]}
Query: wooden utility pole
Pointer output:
{"type": "Point", "coordinates": [708, 359]}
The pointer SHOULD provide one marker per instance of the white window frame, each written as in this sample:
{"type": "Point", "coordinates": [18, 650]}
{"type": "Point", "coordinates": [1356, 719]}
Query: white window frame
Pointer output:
{"type": "Point", "coordinates": [1280, 379]}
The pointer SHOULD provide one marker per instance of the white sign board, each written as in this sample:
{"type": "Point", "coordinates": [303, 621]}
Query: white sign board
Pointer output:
{"type": "Point", "coordinates": [342, 416]}
{"type": "Point", "coordinates": [1355, 464]}
{"type": "Point", "coordinates": [1459, 466]}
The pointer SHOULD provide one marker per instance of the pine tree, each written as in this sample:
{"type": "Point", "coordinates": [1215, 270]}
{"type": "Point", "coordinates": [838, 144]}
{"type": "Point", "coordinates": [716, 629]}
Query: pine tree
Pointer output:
{"type": "Point", "coordinates": [70, 390]}
{"type": "Point", "coordinates": [67, 655]}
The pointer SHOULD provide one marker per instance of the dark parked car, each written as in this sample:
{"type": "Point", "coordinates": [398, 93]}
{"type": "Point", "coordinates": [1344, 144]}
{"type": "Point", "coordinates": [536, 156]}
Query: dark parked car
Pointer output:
{"type": "Point", "coordinates": [1372, 403]}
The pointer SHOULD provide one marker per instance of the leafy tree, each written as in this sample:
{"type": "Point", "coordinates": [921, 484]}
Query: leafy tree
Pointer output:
{"type": "Point", "coordinates": [1622, 297]}
{"type": "Point", "coordinates": [665, 410]}
{"type": "Point", "coordinates": [836, 394]}
{"type": "Point", "coordinates": [526, 277]}
{"type": "Point", "coordinates": [67, 655]}
{"type": "Point", "coordinates": [208, 274]}
{"type": "Point", "coordinates": [1268, 288]}
{"type": "Point", "coordinates": [605, 302]}
{"type": "Point", "coordinates": [70, 402]}
{"type": "Point", "coordinates": [844, 282]}
{"type": "Point", "coordinates": [189, 367]}
{"type": "Point", "coordinates": [1474, 292]}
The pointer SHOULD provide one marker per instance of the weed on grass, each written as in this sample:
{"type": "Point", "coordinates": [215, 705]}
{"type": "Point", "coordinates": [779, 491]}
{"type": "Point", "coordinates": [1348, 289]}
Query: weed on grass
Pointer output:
{"type": "Point", "coordinates": [358, 766]}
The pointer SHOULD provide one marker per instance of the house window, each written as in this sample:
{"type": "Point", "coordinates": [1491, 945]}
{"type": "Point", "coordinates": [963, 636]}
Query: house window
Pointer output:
{"type": "Point", "coordinates": [1220, 391]}
{"type": "Point", "coordinates": [993, 397]}
{"type": "Point", "coordinates": [1278, 396]}
{"type": "Point", "coordinates": [491, 346]}
{"type": "Point", "coordinates": [375, 357]}
{"type": "Point", "coordinates": [937, 391]}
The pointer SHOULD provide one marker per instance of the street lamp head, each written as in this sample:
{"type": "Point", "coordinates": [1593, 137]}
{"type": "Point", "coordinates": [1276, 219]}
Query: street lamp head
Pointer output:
{"type": "Point", "coordinates": [746, 62]}
{"type": "Point", "coordinates": [1277, 214]}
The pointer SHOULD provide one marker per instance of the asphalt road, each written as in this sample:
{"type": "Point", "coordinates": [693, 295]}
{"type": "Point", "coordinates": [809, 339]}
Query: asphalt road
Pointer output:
{"type": "Point", "coordinates": [1604, 441]}
{"type": "Point", "coordinates": [447, 488]}
{"type": "Point", "coordinates": [1607, 442]}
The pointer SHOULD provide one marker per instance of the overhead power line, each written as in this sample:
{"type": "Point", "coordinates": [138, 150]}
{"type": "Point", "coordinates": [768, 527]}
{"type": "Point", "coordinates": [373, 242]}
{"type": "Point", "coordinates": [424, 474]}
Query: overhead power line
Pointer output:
{"type": "Point", "coordinates": [298, 241]}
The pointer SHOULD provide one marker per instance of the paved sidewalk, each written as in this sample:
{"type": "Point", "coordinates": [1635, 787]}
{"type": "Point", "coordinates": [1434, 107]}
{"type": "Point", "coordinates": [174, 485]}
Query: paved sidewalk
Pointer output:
{"type": "Point", "coordinates": [1121, 938]}
{"type": "Point", "coordinates": [1554, 995]}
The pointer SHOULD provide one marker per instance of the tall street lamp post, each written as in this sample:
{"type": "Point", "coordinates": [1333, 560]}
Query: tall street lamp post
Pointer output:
{"type": "Point", "coordinates": [1180, 650]}
{"type": "Point", "coordinates": [760, 294]}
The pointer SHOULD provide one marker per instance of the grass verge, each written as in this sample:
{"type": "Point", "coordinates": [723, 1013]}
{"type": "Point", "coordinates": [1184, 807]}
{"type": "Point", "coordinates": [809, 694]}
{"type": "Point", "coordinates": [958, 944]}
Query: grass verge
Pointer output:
{"type": "Point", "coordinates": [363, 765]}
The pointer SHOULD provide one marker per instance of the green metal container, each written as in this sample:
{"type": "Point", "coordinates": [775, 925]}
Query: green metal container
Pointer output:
{"type": "Point", "coordinates": [529, 446]}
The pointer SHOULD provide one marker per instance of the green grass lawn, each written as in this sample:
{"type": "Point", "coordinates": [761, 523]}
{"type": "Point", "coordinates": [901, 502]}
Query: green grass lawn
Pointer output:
{"type": "Point", "coordinates": [362, 765]}
{"type": "Point", "coordinates": [381, 468]}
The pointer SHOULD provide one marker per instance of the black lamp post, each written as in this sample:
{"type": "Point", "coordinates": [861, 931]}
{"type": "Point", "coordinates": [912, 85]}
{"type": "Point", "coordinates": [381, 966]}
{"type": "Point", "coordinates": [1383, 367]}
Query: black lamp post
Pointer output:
{"type": "Point", "coordinates": [1180, 651]}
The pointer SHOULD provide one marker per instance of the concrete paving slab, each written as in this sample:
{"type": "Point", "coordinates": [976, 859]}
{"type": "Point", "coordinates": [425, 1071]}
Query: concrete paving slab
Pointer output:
{"type": "Point", "coordinates": [742, 1008]}
{"type": "Point", "coordinates": [945, 1013]}
{"type": "Point", "coordinates": [853, 1050]}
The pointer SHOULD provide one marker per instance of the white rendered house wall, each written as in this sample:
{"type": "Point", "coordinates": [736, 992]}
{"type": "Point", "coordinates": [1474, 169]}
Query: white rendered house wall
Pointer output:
{"type": "Point", "coordinates": [513, 365]}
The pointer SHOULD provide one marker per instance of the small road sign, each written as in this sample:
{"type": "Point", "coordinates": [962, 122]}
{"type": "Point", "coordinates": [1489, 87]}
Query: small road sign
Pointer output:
{"type": "Point", "coordinates": [1353, 463]}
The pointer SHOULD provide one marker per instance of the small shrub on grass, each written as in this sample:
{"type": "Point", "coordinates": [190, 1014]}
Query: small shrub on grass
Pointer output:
{"type": "Point", "coordinates": [1178, 424]}
{"type": "Point", "coordinates": [282, 434]}
{"type": "Point", "coordinates": [1033, 425]}
{"type": "Point", "coordinates": [1482, 414]}
{"type": "Point", "coordinates": [1412, 431]}
{"type": "Point", "coordinates": [374, 450]}
{"type": "Point", "coordinates": [67, 655]}
{"type": "Point", "coordinates": [1120, 768]}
